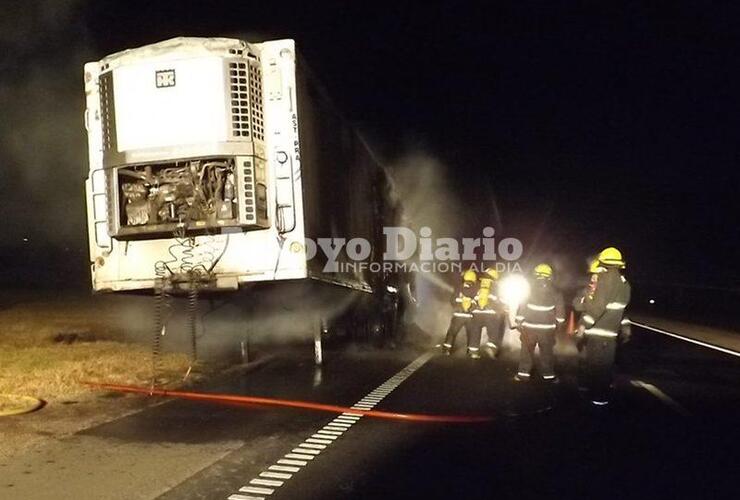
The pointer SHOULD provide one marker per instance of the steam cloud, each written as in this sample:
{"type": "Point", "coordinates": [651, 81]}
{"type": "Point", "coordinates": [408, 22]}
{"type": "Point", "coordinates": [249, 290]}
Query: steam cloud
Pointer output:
{"type": "Point", "coordinates": [421, 182]}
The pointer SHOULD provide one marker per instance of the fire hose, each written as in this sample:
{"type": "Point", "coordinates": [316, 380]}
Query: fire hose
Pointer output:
{"type": "Point", "coordinates": [304, 405]}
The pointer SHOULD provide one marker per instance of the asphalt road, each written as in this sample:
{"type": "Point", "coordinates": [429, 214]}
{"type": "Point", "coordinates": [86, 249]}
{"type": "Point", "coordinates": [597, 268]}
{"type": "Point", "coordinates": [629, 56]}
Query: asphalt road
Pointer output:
{"type": "Point", "coordinates": [671, 432]}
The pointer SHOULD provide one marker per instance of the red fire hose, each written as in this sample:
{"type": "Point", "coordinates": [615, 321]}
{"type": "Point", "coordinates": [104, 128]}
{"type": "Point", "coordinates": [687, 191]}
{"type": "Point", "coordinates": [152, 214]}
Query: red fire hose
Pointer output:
{"type": "Point", "coordinates": [304, 405]}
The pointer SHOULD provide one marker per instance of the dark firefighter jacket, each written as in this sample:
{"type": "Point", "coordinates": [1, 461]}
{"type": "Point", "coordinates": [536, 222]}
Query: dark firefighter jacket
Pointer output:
{"type": "Point", "coordinates": [603, 312]}
{"type": "Point", "coordinates": [544, 310]}
{"type": "Point", "coordinates": [463, 300]}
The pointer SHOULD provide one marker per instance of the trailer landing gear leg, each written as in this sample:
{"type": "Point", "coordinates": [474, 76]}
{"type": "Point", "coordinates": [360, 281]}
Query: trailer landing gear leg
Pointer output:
{"type": "Point", "coordinates": [245, 350]}
{"type": "Point", "coordinates": [318, 351]}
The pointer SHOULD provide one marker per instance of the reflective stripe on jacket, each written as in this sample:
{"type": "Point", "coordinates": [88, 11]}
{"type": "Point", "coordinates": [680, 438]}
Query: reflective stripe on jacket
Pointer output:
{"type": "Point", "coordinates": [544, 310]}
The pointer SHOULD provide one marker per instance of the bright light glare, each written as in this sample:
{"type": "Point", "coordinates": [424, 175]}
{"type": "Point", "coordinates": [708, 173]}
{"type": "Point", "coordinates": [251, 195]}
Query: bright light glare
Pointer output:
{"type": "Point", "coordinates": [513, 290]}
{"type": "Point", "coordinates": [652, 301]}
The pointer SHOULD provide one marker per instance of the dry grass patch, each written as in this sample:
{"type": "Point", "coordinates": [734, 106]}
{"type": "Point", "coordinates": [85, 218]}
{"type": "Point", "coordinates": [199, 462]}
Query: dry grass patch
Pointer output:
{"type": "Point", "coordinates": [33, 364]}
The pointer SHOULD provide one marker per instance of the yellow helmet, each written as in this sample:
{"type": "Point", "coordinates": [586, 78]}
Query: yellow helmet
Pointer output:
{"type": "Point", "coordinates": [612, 257]}
{"type": "Point", "coordinates": [596, 267]}
{"type": "Point", "coordinates": [543, 271]}
{"type": "Point", "coordinates": [491, 272]}
{"type": "Point", "coordinates": [470, 275]}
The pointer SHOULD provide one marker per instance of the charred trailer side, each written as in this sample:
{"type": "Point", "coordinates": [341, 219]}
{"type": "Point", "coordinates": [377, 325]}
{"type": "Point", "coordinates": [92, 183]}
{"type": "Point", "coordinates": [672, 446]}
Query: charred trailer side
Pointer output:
{"type": "Point", "coordinates": [212, 160]}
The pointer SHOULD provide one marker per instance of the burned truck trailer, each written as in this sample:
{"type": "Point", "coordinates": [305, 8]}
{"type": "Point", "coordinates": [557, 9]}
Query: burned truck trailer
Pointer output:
{"type": "Point", "coordinates": [213, 161]}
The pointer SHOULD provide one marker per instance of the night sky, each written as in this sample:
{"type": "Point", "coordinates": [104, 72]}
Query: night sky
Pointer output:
{"type": "Point", "coordinates": [589, 124]}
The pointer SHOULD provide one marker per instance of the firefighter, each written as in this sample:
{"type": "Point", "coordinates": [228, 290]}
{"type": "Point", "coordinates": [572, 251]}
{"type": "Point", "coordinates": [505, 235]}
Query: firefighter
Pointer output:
{"type": "Point", "coordinates": [488, 312]}
{"type": "Point", "coordinates": [462, 315]}
{"type": "Point", "coordinates": [537, 320]}
{"type": "Point", "coordinates": [594, 269]}
{"type": "Point", "coordinates": [603, 314]}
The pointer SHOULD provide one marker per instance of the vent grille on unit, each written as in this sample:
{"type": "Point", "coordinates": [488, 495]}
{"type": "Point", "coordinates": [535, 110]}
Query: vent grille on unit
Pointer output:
{"type": "Point", "coordinates": [255, 87]}
{"type": "Point", "coordinates": [239, 99]}
{"type": "Point", "coordinates": [247, 119]}
{"type": "Point", "coordinates": [107, 111]}
{"type": "Point", "coordinates": [249, 201]}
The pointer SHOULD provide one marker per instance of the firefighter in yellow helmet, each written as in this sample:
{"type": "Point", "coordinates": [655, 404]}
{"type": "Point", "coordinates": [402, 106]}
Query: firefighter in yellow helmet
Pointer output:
{"type": "Point", "coordinates": [488, 311]}
{"type": "Point", "coordinates": [537, 320]}
{"type": "Point", "coordinates": [462, 314]}
{"type": "Point", "coordinates": [603, 316]}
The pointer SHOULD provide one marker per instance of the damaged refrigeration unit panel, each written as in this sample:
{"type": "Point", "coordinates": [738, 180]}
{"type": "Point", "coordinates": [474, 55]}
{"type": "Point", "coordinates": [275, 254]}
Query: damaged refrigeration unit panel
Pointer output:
{"type": "Point", "coordinates": [193, 196]}
{"type": "Point", "coordinates": [182, 140]}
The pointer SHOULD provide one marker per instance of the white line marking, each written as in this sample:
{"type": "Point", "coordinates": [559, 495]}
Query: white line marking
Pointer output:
{"type": "Point", "coordinates": [305, 450]}
{"type": "Point", "coordinates": [318, 435]}
{"type": "Point", "coordinates": [314, 446]}
{"type": "Point", "coordinates": [688, 339]}
{"type": "Point", "coordinates": [324, 437]}
{"type": "Point", "coordinates": [258, 491]}
{"type": "Point", "coordinates": [284, 468]}
{"type": "Point", "coordinates": [267, 482]}
{"type": "Point", "coordinates": [292, 462]}
{"type": "Point", "coordinates": [276, 475]}
{"type": "Point", "coordinates": [665, 398]}
{"type": "Point", "coordinates": [325, 432]}
{"type": "Point", "coordinates": [318, 441]}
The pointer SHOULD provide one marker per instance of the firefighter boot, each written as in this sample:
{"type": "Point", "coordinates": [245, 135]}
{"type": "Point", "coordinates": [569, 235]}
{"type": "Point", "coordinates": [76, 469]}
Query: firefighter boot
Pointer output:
{"type": "Point", "coordinates": [492, 350]}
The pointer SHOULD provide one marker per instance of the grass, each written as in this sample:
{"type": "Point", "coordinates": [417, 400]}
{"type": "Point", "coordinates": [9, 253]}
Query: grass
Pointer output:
{"type": "Point", "coordinates": [32, 363]}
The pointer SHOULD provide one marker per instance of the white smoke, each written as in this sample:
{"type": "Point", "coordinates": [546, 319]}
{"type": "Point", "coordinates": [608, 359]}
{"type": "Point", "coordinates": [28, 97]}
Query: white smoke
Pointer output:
{"type": "Point", "coordinates": [422, 183]}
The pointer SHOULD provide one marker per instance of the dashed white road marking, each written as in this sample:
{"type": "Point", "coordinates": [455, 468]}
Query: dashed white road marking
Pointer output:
{"type": "Point", "coordinates": [266, 482]}
{"type": "Point", "coordinates": [237, 496]}
{"type": "Point", "coordinates": [292, 462]}
{"type": "Point", "coordinates": [283, 470]}
{"type": "Point", "coordinates": [305, 450]}
{"type": "Point", "coordinates": [324, 432]}
{"type": "Point", "coordinates": [316, 443]}
{"type": "Point", "coordinates": [276, 475]}
{"type": "Point", "coordinates": [256, 490]}
{"type": "Point", "coordinates": [324, 436]}
{"type": "Point", "coordinates": [662, 396]}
